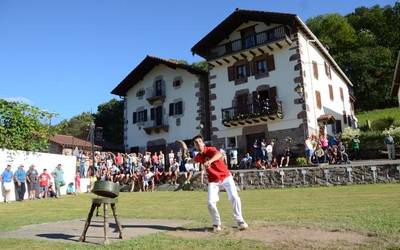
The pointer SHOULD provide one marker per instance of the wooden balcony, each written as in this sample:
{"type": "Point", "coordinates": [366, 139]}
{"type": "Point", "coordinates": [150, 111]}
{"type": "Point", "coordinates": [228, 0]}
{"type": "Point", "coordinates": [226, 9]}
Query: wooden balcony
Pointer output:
{"type": "Point", "coordinates": [154, 94]}
{"type": "Point", "coordinates": [252, 113]}
{"type": "Point", "coordinates": [275, 38]}
{"type": "Point", "coordinates": [156, 126]}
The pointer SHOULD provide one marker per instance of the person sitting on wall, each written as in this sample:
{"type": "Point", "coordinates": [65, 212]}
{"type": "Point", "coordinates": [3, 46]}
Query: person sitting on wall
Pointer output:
{"type": "Point", "coordinates": [319, 155]}
{"type": "Point", "coordinates": [246, 161]}
{"type": "Point", "coordinates": [344, 157]}
{"type": "Point", "coordinates": [259, 163]}
{"type": "Point", "coordinates": [286, 156]}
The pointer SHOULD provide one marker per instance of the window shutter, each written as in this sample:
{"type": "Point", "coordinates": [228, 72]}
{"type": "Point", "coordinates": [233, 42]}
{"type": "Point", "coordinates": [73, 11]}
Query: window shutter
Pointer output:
{"type": "Point", "coordinates": [152, 114]}
{"type": "Point", "coordinates": [315, 69]}
{"type": "Point", "coordinates": [179, 108]}
{"type": "Point", "coordinates": [341, 94]}
{"type": "Point", "coordinates": [318, 98]}
{"type": "Point", "coordinates": [145, 115]}
{"type": "Point", "coordinates": [270, 63]}
{"type": "Point", "coordinates": [231, 73]}
{"type": "Point", "coordinates": [134, 117]}
{"type": "Point", "coordinates": [326, 69]}
{"type": "Point", "coordinates": [247, 65]}
{"type": "Point", "coordinates": [256, 102]}
{"type": "Point", "coordinates": [272, 93]}
{"type": "Point", "coordinates": [171, 109]}
{"type": "Point", "coordinates": [253, 68]}
{"type": "Point", "coordinates": [331, 92]}
{"type": "Point", "coordinates": [344, 117]}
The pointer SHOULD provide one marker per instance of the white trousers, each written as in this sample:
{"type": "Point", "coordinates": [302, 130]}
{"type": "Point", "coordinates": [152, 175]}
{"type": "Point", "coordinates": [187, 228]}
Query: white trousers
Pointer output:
{"type": "Point", "coordinates": [213, 197]}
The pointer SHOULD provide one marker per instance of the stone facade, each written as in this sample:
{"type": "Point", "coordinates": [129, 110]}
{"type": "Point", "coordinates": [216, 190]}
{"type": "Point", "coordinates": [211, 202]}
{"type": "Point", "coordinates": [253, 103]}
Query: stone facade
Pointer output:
{"type": "Point", "coordinates": [311, 176]}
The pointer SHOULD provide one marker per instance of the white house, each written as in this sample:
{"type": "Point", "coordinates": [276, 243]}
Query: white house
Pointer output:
{"type": "Point", "coordinates": [271, 78]}
{"type": "Point", "coordinates": [164, 102]}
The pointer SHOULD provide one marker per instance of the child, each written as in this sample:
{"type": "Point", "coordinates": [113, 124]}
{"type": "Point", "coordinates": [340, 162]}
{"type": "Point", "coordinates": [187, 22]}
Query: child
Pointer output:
{"type": "Point", "coordinates": [70, 189]}
{"type": "Point", "coordinates": [77, 182]}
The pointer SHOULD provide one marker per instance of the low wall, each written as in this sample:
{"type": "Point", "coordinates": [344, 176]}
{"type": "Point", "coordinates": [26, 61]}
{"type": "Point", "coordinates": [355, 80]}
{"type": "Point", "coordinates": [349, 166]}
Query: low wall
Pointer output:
{"type": "Point", "coordinates": [313, 176]}
{"type": "Point", "coordinates": [41, 161]}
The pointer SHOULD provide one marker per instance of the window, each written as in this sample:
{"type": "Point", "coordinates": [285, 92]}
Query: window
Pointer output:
{"type": "Point", "coordinates": [240, 71]}
{"type": "Point", "coordinates": [337, 127]}
{"type": "Point", "coordinates": [344, 117]}
{"type": "Point", "coordinates": [176, 108]}
{"type": "Point", "coordinates": [140, 93]}
{"type": "Point", "coordinates": [177, 83]}
{"type": "Point", "coordinates": [328, 70]}
{"type": "Point", "coordinates": [315, 69]}
{"type": "Point", "coordinates": [318, 99]}
{"type": "Point", "coordinates": [330, 92]}
{"type": "Point", "coordinates": [261, 66]}
{"type": "Point", "coordinates": [142, 116]}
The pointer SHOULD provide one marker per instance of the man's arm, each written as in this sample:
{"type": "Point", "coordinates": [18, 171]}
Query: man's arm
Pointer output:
{"type": "Point", "coordinates": [217, 155]}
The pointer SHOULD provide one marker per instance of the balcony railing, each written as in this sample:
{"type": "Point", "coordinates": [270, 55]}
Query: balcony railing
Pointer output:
{"type": "Point", "coordinates": [155, 93]}
{"type": "Point", "coordinates": [252, 113]}
{"type": "Point", "coordinates": [157, 125]}
{"type": "Point", "coordinates": [260, 38]}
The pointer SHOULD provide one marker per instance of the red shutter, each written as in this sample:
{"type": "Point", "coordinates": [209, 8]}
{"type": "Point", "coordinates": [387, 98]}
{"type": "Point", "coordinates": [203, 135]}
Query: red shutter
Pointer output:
{"type": "Point", "coordinates": [318, 98]}
{"type": "Point", "coordinates": [231, 73]}
{"type": "Point", "coordinates": [171, 109]}
{"type": "Point", "coordinates": [253, 68]}
{"type": "Point", "coordinates": [331, 92]}
{"type": "Point", "coordinates": [272, 93]}
{"type": "Point", "coordinates": [134, 117]}
{"type": "Point", "coordinates": [152, 114]}
{"type": "Point", "coordinates": [270, 63]}
{"type": "Point", "coordinates": [247, 65]}
{"type": "Point", "coordinates": [315, 69]}
{"type": "Point", "coordinates": [341, 94]}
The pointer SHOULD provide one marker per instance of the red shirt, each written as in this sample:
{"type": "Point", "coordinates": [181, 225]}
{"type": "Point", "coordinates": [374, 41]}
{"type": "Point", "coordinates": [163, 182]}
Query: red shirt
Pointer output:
{"type": "Point", "coordinates": [217, 171]}
{"type": "Point", "coordinates": [44, 179]}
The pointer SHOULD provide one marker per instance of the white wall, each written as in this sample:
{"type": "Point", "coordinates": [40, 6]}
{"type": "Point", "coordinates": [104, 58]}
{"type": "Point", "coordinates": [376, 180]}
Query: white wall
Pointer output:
{"type": "Point", "coordinates": [282, 77]}
{"type": "Point", "coordinates": [41, 161]}
{"type": "Point", "coordinates": [187, 128]}
{"type": "Point", "coordinates": [309, 53]}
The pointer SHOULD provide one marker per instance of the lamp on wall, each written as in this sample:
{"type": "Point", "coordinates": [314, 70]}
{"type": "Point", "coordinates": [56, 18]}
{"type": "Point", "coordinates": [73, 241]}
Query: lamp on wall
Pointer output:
{"type": "Point", "coordinates": [299, 90]}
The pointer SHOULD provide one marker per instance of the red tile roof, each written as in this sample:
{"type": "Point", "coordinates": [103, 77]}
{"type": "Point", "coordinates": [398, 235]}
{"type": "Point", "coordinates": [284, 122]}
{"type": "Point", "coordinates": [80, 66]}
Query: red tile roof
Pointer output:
{"type": "Point", "coordinates": [70, 141]}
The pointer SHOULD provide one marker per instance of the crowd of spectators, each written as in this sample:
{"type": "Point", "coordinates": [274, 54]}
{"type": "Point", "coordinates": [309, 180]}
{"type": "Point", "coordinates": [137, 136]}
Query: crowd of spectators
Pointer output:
{"type": "Point", "coordinates": [138, 171]}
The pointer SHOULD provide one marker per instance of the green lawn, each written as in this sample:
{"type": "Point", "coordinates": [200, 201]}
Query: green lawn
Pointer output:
{"type": "Point", "coordinates": [363, 208]}
{"type": "Point", "coordinates": [377, 114]}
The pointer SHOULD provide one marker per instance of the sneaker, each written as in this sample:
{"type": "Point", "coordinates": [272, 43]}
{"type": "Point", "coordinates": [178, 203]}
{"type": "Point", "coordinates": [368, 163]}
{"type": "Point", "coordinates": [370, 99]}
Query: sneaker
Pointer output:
{"type": "Point", "coordinates": [243, 225]}
{"type": "Point", "coordinates": [217, 228]}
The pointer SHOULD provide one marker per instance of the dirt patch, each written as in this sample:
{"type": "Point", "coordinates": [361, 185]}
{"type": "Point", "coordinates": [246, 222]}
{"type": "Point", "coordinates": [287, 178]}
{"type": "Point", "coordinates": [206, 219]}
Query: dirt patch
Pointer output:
{"type": "Point", "coordinates": [286, 237]}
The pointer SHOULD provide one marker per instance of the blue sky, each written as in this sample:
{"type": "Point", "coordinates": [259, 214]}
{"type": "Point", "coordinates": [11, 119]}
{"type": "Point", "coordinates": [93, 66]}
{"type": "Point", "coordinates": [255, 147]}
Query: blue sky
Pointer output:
{"type": "Point", "coordinates": [66, 56]}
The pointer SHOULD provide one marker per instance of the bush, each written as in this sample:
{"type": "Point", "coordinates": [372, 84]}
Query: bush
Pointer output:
{"type": "Point", "coordinates": [349, 133]}
{"type": "Point", "coordinates": [396, 123]}
{"type": "Point", "coordinates": [301, 161]}
{"type": "Point", "coordinates": [381, 124]}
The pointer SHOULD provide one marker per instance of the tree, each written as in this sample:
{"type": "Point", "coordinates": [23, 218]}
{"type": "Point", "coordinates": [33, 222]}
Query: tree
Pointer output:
{"type": "Point", "coordinates": [24, 127]}
{"type": "Point", "coordinates": [365, 44]}
{"type": "Point", "coordinates": [110, 116]}
{"type": "Point", "coordinates": [77, 126]}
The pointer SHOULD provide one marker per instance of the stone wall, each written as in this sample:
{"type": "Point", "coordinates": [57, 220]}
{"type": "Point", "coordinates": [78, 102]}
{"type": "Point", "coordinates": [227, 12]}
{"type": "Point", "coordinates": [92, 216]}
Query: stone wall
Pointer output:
{"type": "Point", "coordinates": [312, 176]}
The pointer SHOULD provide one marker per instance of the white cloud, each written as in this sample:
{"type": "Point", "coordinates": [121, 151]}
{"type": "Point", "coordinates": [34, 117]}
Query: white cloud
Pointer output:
{"type": "Point", "coordinates": [19, 99]}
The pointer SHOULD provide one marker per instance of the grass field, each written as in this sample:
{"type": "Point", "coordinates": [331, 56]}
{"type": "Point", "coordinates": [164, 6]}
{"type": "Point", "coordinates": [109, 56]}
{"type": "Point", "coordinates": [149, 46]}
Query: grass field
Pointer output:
{"type": "Point", "coordinates": [377, 114]}
{"type": "Point", "coordinates": [368, 209]}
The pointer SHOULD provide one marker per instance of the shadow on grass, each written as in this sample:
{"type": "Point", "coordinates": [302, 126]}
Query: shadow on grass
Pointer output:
{"type": "Point", "coordinates": [163, 228]}
{"type": "Point", "coordinates": [58, 236]}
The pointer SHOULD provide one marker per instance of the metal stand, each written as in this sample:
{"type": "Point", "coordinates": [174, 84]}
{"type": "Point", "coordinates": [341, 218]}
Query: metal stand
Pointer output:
{"type": "Point", "coordinates": [97, 202]}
